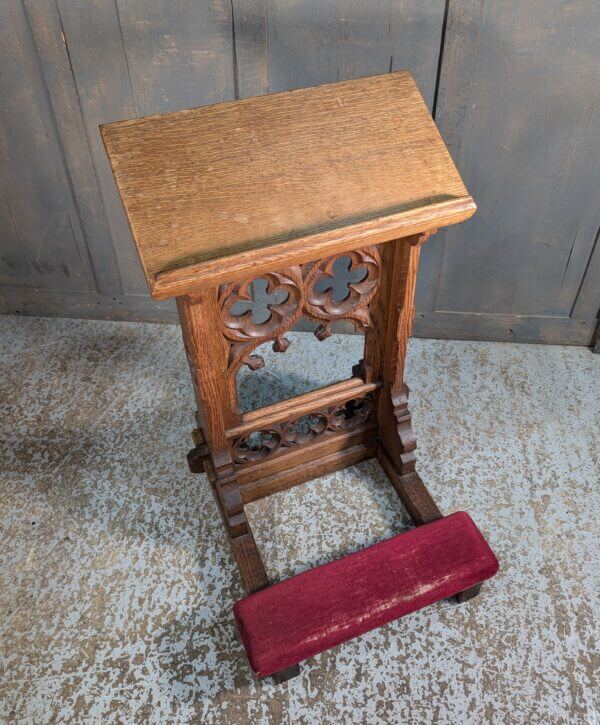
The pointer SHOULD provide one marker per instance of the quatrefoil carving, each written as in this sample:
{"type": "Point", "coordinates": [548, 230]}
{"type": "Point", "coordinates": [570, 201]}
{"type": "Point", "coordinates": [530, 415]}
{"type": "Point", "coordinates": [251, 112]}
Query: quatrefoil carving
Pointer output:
{"type": "Point", "coordinates": [241, 329]}
{"type": "Point", "coordinates": [303, 290]}
{"type": "Point", "coordinates": [261, 444]}
{"type": "Point", "coordinates": [320, 299]}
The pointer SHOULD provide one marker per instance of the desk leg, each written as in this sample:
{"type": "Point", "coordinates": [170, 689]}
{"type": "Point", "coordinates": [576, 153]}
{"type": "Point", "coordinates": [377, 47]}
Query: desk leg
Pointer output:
{"type": "Point", "coordinates": [394, 311]}
{"type": "Point", "coordinates": [207, 358]}
{"type": "Point", "coordinates": [207, 352]}
{"type": "Point", "coordinates": [396, 452]}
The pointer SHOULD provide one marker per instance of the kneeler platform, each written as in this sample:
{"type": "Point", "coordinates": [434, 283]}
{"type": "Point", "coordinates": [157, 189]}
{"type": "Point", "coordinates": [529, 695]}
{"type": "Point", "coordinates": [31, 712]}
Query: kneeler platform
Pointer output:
{"type": "Point", "coordinates": [285, 188]}
{"type": "Point", "coordinates": [330, 604]}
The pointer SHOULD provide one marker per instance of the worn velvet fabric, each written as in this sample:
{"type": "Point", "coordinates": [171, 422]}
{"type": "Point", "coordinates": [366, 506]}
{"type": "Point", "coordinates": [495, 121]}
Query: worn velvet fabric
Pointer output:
{"type": "Point", "coordinates": [318, 609]}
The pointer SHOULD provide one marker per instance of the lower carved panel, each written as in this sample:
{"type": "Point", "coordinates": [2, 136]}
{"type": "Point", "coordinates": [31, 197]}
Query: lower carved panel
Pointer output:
{"type": "Point", "coordinates": [263, 443]}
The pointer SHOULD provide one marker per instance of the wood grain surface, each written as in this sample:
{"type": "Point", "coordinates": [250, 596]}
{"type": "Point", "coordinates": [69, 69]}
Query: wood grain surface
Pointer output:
{"type": "Point", "coordinates": [202, 185]}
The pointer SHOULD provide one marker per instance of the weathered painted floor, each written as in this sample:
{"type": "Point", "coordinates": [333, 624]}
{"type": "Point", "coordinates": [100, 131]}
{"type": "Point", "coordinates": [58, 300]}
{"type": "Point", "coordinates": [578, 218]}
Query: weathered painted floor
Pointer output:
{"type": "Point", "coordinates": [117, 585]}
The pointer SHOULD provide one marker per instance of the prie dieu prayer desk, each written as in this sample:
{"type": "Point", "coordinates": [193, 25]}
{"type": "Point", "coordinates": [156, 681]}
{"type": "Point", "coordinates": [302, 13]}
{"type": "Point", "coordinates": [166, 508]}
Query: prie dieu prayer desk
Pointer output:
{"type": "Point", "coordinates": [279, 187]}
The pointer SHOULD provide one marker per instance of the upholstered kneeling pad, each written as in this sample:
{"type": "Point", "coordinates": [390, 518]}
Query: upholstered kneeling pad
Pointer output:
{"type": "Point", "coordinates": [323, 607]}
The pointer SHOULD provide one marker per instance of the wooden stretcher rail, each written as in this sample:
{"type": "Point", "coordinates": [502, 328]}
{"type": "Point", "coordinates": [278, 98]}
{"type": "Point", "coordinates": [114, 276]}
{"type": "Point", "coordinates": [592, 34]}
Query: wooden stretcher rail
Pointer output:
{"type": "Point", "coordinates": [301, 405]}
{"type": "Point", "coordinates": [296, 467]}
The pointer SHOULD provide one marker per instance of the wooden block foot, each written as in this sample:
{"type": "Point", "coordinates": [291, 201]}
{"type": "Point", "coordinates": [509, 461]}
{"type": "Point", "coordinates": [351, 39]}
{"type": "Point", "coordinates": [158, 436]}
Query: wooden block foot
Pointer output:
{"type": "Point", "coordinates": [467, 594]}
{"type": "Point", "coordinates": [196, 458]}
{"type": "Point", "coordinates": [285, 675]}
{"type": "Point", "coordinates": [412, 491]}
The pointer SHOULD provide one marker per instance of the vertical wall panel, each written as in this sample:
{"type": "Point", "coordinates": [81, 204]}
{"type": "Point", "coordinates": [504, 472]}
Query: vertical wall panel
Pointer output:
{"type": "Point", "coordinates": [95, 44]}
{"type": "Point", "coordinates": [533, 173]}
{"type": "Point", "coordinates": [528, 150]}
{"type": "Point", "coordinates": [132, 58]}
{"type": "Point", "coordinates": [333, 40]}
{"type": "Point", "coordinates": [45, 23]}
{"type": "Point", "coordinates": [179, 54]}
{"type": "Point", "coordinates": [38, 215]}
{"type": "Point", "coordinates": [14, 269]}
{"type": "Point", "coordinates": [517, 102]}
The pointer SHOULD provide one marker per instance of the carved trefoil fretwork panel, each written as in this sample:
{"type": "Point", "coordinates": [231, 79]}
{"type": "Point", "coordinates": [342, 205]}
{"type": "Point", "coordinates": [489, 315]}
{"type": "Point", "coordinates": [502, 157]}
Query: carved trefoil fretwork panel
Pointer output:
{"type": "Point", "coordinates": [306, 290]}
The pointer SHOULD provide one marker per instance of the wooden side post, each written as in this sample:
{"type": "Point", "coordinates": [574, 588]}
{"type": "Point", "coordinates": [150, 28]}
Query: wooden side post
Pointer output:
{"type": "Point", "coordinates": [395, 311]}
{"type": "Point", "coordinates": [207, 357]}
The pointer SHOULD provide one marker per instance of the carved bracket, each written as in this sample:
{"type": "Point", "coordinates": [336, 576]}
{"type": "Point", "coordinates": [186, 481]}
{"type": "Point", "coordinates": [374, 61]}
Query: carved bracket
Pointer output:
{"type": "Point", "coordinates": [227, 492]}
{"type": "Point", "coordinates": [422, 238]}
{"type": "Point", "coordinates": [406, 433]}
{"type": "Point", "coordinates": [263, 443]}
{"type": "Point", "coordinates": [319, 301]}
{"type": "Point", "coordinates": [243, 333]}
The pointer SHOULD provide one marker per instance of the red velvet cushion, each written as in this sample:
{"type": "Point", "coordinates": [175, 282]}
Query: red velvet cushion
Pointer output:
{"type": "Point", "coordinates": [320, 608]}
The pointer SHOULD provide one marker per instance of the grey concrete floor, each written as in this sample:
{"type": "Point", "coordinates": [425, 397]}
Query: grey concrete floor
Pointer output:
{"type": "Point", "coordinates": [117, 584]}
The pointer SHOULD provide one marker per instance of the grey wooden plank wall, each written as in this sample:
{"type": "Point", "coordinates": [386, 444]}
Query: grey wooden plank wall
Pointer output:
{"type": "Point", "coordinates": [514, 87]}
{"type": "Point", "coordinates": [519, 106]}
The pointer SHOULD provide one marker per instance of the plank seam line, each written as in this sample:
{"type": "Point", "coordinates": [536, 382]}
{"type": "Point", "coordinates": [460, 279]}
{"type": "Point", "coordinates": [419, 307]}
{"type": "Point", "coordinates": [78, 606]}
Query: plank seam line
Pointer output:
{"type": "Point", "coordinates": [440, 58]}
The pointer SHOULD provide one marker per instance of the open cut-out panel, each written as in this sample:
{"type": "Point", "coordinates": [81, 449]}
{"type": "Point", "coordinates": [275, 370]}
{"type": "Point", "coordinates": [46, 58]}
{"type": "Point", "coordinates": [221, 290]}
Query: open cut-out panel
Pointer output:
{"type": "Point", "coordinates": [308, 364]}
{"type": "Point", "coordinates": [258, 315]}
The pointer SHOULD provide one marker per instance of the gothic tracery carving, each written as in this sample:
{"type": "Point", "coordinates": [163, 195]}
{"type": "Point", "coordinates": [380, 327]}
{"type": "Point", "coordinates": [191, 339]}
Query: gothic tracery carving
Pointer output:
{"type": "Point", "coordinates": [322, 305]}
{"type": "Point", "coordinates": [305, 290]}
{"type": "Point", "coordinates": [258, 445]}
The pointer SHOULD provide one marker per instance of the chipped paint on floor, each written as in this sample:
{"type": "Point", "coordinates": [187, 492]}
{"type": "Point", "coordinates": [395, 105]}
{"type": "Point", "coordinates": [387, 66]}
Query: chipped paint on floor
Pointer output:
{"type": "Point", "coordinates": [117, 584]}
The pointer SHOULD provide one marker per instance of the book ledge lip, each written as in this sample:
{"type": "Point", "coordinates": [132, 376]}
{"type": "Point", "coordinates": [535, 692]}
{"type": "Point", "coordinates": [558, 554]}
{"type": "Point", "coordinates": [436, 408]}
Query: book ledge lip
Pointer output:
{"type": "Point", "coordinates": [427, 215]}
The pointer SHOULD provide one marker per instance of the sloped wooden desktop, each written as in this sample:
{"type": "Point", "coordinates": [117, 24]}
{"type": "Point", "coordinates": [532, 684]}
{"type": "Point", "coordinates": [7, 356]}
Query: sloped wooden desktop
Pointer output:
{"type": "Point", "coordinates": [279, 187]}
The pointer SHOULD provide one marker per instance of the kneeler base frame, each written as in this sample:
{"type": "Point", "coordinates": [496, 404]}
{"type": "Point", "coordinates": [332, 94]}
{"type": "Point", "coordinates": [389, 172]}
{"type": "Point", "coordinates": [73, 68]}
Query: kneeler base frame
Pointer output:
{"type": "Point", "coordinates": [279, 188]}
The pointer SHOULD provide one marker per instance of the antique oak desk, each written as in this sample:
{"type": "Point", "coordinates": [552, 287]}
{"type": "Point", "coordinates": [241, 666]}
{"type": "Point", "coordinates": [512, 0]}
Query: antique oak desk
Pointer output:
{"type": "Point", "coordinates": [279, 187]}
